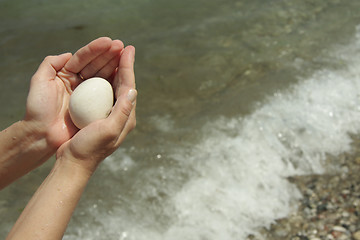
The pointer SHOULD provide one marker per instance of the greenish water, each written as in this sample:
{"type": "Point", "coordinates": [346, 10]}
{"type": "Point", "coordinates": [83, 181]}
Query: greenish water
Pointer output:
{"type": "Point", "coordinates": [196, 62]}
{"type": "Point", "coordinates": [190, 54]}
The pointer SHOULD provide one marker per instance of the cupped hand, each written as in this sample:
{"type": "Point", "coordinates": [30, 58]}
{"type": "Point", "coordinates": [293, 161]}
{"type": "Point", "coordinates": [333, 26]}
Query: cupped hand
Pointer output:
{"type": "Point", "coordinates": [56, 78]}
{"type": "Point", "coordinates": [93, 143]}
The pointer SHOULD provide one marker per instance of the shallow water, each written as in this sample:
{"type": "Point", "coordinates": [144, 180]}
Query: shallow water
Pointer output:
{"type": "Point", "coordinates": [234, 96]}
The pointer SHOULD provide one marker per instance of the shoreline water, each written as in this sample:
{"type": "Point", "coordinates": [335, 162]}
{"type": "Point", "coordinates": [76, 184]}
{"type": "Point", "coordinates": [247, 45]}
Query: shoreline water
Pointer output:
{"type": "Point", "coordinates": [330, 207]}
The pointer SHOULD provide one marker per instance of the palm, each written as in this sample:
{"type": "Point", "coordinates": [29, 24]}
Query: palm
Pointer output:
{"type": "Point", "coordinates": [49, 108]}
{"type": "Point", "coordinates": [92, 142]}
{"type": "Point", "coordinates": [62, 127]}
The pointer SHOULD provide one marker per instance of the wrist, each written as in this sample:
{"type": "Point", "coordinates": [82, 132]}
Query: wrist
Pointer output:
{"type": "Point", "coordinates": [32, 128]}
{"type": "Point", "coordinates": [23, 149]}
{"type": "Point", "coordinates": [73, 171]}
{"type": "Point", "coordinates": [37, 133]}
{"type": "Point", "coordinates": [84, 166]}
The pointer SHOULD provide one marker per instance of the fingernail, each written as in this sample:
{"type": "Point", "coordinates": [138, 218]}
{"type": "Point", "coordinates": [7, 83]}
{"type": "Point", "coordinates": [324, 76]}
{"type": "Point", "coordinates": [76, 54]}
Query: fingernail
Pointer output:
{"type": "Point", "coordinates": [132, 95]}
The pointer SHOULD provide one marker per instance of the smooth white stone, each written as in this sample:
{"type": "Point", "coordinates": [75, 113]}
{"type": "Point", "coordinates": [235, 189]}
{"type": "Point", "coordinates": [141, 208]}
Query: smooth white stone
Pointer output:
{"type": "Point", "coordinates": [90, 101]}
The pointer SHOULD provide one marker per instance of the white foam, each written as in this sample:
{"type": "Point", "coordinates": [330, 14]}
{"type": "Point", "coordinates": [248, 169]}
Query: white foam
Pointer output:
{"type": "Point", "coordinates": [241, 184]}
{"type": "Point", "coordinates": [237, 174]}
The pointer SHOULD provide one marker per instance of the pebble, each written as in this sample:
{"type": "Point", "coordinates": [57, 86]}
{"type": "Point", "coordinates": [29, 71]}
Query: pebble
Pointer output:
{"type": "Point", "coordinates": [339, 229]}
{"type": "Point", "coordinates": [330, 208]}
{"type": "Point", "coordinates": [356, 235]}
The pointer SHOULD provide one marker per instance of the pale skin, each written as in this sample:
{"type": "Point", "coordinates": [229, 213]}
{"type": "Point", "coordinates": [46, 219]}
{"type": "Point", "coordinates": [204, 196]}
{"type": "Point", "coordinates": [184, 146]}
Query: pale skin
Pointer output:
{"type": "Point", "coordinates": [47, 129]}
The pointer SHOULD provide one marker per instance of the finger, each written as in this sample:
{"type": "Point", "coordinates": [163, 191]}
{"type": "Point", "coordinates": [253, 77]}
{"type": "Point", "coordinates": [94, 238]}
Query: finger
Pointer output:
{"type": "Point", "coordinates": [87, 54]}
{"type": "Point", "coordinates": [125, 76]}
{"type": "Point", "coordinates": [109, 69]}
{"type": "Point", "coordinates": [50, 66]}
{"type": "Point", "coordinates": [101, 62]}
{"type": "Point", "coordinates": [122, 109]}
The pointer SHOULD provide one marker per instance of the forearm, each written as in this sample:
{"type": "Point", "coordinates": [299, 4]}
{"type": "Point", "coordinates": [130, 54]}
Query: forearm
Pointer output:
{"type": "Point", "coordinates": [22, 148]}
{"type": "Point", "coordinates": [49, 211]}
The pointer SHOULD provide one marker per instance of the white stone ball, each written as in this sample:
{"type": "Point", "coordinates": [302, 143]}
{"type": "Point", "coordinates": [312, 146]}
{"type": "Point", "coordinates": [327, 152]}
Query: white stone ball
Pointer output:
{"type": "Point", "coordinates": [92, 100]}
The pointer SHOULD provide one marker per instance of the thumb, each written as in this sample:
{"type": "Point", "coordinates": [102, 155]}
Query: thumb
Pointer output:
{"type": "Point", "coordinates": [125, 76]}
{"type": "Point", "coordinates": [51, 65]}
{"type": "Point", "coordinates": [123, 108]}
